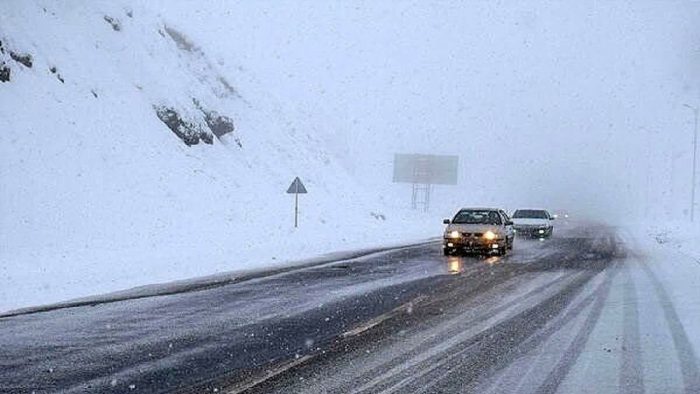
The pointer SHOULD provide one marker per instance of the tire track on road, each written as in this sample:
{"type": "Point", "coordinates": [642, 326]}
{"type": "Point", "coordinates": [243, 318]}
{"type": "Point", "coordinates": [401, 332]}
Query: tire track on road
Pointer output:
{"type": "Point", "coordinates": [684, 348]}
{"type": "Point", "coordinates": [571, 354]}
{"type": "Point", "coordinates": [428, 353]}
{"type": "Point", "coordinates": [481, 353]}
{"type": "Point", "coordinates": [521, 333]}
{"type": "Point", "coordinates": [631, 372]}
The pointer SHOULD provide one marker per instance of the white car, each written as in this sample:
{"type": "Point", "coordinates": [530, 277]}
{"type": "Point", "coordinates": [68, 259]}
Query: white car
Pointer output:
{"type": "Point", "coordinates": [534, 223]}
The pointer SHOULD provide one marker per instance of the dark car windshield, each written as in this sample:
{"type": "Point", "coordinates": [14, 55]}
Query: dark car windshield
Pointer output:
{"type": "Point", "coordinates": [477, 217]}
{"type": "Point", "coordinates": [530, 214]}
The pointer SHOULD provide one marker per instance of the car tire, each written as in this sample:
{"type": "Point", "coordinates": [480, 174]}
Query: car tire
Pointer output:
{"type": "Point", "coordinates": [510, 244]}
{"type": "Point", "coordinates": [446, 252]}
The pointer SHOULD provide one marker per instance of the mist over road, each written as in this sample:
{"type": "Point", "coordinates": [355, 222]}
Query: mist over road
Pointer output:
{"type": "Point", "coordinates": [405, 320]}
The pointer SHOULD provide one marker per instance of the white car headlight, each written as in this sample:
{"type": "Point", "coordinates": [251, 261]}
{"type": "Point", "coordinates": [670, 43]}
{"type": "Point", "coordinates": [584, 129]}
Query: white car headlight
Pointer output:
{"type": "Point", "coordinates": [490, 235]}
{"type": "Point", "coordinates": [453, 234]}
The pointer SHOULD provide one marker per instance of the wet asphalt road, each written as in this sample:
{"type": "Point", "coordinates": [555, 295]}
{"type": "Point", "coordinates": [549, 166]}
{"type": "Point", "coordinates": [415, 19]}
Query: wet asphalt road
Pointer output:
{"type": "Point", "coordinates": [493, 312]}
{"type": "Point", "coordinates": [408, 320]}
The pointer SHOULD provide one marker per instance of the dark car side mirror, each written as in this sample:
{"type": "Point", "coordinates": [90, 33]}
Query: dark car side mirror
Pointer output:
{"type": "Point", "coordinates": [509, 223]}
{"type": "Point", "coordinates": [446, 221]}
{"type": "Point", "coordinates": [552, 218]}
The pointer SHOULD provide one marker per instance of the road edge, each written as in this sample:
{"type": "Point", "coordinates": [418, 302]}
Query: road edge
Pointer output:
{"type": "Point", "coordinates": [210, 281]}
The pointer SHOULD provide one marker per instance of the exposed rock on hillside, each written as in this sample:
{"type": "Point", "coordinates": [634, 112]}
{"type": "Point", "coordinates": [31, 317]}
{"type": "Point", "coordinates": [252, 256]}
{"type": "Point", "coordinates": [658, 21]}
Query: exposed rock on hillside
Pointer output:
{"type": "Point", "coordinates": [116, 26]}
{"type": "Point", "coordinates": [54, 71]}
{"type": "Point", "coordinates": [24, 58]}
{"type": "Point", "coordinates": [190, 133]}
{"type": "Point", "coordinates": [180, 40]}
{"type": "Point", "coordinates": [4, 73]}
{"type": "Point", "coordinates": [218, 124]}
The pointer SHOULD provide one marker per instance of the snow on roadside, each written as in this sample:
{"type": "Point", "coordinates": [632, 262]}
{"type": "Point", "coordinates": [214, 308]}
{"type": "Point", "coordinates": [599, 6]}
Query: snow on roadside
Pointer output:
{"type": "Point", "coordinates": [683, 237]}
{"type": "Point", "coordinates": [672, 253]}
{"type": "Point", "coordinates": [99, 194]}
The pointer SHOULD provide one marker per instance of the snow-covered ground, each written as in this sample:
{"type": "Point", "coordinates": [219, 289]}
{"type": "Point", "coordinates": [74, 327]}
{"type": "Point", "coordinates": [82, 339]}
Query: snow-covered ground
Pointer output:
{"type": "Point", "coordinates": [98, 194]}
{"type": "Point", "coordinates": [674, 251]}
{"type": "Point", "coordinates": [647, 337]}
{"type": "Point", "coordinates": [638, 332]}
{"type": "Point", "coordinates": [683, 237]}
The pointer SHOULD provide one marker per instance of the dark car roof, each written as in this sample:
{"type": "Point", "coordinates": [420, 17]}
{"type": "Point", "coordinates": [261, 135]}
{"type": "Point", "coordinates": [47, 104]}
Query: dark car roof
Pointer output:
{"type": "Point", "coordinates": [480, 209]}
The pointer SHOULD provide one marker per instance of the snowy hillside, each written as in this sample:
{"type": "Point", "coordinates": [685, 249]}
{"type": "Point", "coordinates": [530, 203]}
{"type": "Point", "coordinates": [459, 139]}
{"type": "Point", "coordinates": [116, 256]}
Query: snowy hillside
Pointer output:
{"type": "Point", "coordinates": [129, 156]}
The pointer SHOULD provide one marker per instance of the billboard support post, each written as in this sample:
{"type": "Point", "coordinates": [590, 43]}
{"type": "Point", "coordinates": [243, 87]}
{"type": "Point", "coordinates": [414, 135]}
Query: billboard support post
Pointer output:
{"type": "Point", "coordinates": [420, 190]}
{"type": "Point", "coordinates": [423, 171]}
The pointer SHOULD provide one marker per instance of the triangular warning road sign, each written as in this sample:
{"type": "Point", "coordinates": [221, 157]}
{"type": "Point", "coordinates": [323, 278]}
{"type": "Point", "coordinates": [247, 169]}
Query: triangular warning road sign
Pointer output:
{"type": "Point", "coordinates": [296, 187]}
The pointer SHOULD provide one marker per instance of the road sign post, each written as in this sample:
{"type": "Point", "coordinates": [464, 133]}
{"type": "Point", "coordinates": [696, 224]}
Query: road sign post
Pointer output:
{"type": "Point", "coordinates": [296, 188]}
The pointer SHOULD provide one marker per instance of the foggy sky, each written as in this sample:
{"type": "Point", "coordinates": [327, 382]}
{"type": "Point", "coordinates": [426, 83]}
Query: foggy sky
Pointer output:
{"type": "Point", "coordinates": [575, 105]}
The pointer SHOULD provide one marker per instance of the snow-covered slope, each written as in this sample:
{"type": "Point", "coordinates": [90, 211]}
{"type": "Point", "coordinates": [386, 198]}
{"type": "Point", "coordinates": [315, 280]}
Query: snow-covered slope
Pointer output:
{"type": "Point", "coordinates": [99, 194]}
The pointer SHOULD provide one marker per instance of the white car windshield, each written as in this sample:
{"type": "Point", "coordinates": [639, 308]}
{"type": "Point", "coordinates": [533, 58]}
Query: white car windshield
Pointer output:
{"type": "Point", "coordinates": [530, 214]}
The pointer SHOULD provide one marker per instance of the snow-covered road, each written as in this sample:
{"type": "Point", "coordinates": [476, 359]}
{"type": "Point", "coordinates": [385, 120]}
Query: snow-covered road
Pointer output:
{"type": "Point", "coordinates": [595, 309]}
{"type": "Point", "coordinates": [617, 313]}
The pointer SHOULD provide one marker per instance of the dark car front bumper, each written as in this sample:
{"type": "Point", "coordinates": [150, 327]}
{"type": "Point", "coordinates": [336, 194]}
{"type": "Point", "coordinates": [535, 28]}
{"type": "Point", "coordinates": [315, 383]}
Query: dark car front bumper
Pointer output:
{"type": "Point", "coordinates": [533, 231]}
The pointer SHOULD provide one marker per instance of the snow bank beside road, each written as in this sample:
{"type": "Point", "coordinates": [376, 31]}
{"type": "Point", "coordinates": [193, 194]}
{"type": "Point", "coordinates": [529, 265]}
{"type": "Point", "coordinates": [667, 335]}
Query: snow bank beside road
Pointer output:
{"type": "Point", "coordinates": [672, 253]}
{"type": "Point", "coordinates": [43, 277]}
{"type": "Point", "coordinates": [682, 236]}
{"type": "Point", "coordinates": [119, 167]}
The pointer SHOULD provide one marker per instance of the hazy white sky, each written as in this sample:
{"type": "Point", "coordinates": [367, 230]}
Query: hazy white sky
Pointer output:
{"type": "Point", "coordinates": [563, 102]}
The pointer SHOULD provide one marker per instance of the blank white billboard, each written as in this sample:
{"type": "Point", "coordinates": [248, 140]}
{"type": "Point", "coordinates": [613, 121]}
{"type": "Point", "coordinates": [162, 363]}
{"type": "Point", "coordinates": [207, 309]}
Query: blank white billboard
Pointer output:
{"type": "Point", "coordinates": [426, 169]}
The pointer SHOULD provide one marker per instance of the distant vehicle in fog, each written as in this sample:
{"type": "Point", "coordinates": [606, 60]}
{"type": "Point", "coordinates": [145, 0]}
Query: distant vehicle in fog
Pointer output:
{"type": "Point", "coordinates": [478, 230]}
{"type": "Point", "coordinates": [561, 214]}
{"type": "Point", "coordinates": [534, 223]}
